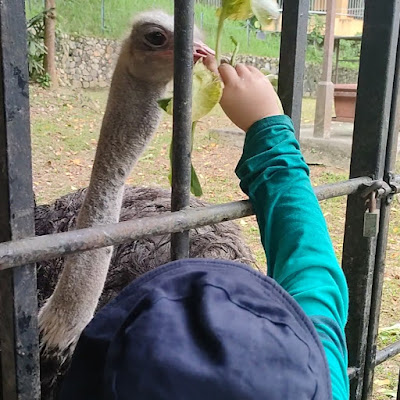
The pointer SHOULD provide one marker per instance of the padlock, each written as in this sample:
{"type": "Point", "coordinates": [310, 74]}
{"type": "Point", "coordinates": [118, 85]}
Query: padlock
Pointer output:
{"type": "Point", "coordinates": [371, 218]}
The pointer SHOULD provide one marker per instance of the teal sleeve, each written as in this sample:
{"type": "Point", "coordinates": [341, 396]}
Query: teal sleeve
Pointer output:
{"type": "Point", "coordinates": [293, 232]}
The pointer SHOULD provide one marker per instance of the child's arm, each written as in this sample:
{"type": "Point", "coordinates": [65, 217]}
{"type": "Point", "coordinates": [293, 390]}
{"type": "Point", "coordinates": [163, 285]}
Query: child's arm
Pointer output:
{"type": "Point", "coordinates": [293, 231]}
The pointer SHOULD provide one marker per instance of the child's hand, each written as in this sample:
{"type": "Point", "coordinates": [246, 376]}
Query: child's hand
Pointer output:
{"type": "Point", "coordinates": [248, 95]}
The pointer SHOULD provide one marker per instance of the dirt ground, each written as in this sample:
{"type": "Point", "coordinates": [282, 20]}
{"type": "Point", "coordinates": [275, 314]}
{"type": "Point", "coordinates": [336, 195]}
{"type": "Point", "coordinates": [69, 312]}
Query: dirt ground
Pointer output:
{"type": "Point", "coordinates": [65, 128]}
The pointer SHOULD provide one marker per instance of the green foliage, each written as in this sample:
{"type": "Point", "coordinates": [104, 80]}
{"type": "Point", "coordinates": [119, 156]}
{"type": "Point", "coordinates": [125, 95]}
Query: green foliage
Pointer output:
{"type": "Point", "coordinates": [349, 50]}
{"type": "Point", "coordinates": [36, 47]}
{"type": "Point", "coordinates": [86, 21]}
{"type": "Point", "coordinates": [389, 335]}
{"type": "Point", "coordinates": [263, 10]}
{"type": "Point", "coordinates": [316, 36]}
{"type": "Point", "coordinates": [43, 80]}
{"type": "Point", "coordinates": [206, 94]}
{"type": "Point", "coordinates": [236, 9]}
{"type": "Point", "coordinates": [37, 50]}
{"type": "Point", "coordinates": [315, 39]}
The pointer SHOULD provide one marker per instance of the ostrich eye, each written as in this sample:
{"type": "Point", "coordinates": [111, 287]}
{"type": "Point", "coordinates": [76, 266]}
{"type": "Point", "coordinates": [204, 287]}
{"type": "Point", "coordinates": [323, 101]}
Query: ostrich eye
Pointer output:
{"type": "Point", "coordinates": [155, 38]}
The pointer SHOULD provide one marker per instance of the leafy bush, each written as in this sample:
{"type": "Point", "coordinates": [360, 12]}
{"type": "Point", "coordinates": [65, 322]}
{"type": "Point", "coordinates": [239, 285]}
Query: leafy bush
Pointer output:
{"type": "Point", "coordinates": [37, 49]}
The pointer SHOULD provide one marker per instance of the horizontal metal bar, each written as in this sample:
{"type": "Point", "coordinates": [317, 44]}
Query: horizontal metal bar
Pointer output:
{"type": "Point", "coordinates": [352, 372]}
{"type": "Point", "coordinates": [49, 246]}
{"type": "Point", "coordinates": [381, 356]}
{"type": "Point", "coordinates": [325, 192]}
{"type": "Point", "coordinates": [387, 353]}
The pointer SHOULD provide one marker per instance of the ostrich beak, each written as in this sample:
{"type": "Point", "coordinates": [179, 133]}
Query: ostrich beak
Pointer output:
{"type": "Point", "coordinates": [201, 50]}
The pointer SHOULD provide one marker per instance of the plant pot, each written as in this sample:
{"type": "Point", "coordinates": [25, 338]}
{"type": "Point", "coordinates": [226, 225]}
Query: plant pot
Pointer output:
{"type": "Point", "coordinates": [345, 96]}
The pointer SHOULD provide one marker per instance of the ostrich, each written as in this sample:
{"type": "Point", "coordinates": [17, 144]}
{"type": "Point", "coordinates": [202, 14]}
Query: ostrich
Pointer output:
{"type": "Point", "coordinates": [71, 290]}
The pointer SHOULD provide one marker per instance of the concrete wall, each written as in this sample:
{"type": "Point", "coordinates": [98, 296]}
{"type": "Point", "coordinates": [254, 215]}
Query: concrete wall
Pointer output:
{"type": "Point", "coordinates": [89, 63]}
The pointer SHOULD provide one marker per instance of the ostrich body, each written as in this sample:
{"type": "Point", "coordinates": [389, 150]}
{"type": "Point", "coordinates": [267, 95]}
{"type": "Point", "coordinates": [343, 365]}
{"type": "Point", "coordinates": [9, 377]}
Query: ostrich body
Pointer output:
{"type": "Point", "coordinates": [129, 260]}
{"type": "Point", "coordinates": [70, 290]}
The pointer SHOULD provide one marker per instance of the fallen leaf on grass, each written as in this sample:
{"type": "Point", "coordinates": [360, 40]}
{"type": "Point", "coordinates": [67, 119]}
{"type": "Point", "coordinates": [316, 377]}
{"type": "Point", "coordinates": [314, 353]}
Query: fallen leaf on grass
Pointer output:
{"type": "Point", "coordinates": [381, 382]}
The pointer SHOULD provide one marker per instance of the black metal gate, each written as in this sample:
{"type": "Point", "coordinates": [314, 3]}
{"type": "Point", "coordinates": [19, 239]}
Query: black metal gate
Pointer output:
{"type": "Point", "coordinates": [373, 158]}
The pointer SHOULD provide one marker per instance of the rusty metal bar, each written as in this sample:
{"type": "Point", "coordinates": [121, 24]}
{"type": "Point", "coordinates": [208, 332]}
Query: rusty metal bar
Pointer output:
{"type": "Point", "coordinates": [387, 353]}
{"type": "Point", "coordinates": [374, 97]}
{"type": "Point", "coordinates": [50, 246]}
{"type": "Point", "coordinates": [18, 303]}
{"type": "Point", "coordinates": [377, 288]}
{"type": "Point", "coordinates": [182, 121]}
{"type": "Point", "coordinates": [292, 58]}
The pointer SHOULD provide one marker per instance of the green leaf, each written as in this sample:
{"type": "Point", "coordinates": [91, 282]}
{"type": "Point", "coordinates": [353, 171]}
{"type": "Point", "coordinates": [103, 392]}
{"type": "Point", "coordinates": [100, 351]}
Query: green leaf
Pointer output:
{"type": "Point", "coordinates": [166, 105]}
{"type": "Point", "coordinates": [265, 10]}
{"type": "Point", "coordinates": [236, 9]}
{"type": "Point", "coordinates": [207, 91]}
{"type": "Point", "coordinates": [235, 51]}
{"type": "Point", "coordinates": [195, 186]}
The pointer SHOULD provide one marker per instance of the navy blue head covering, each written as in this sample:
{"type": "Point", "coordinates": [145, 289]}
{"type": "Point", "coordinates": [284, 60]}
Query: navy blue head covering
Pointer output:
{"type": "Point", "coordinates": [199, 330]}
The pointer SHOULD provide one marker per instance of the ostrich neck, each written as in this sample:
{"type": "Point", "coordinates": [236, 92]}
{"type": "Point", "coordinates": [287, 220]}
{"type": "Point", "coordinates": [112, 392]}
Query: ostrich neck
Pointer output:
{"type": "Point", "coordinates": [131, 117]}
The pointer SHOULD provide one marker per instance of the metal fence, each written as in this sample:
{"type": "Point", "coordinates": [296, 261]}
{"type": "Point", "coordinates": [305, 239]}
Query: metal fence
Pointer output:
{"type": "Point", "coordinates": [211, 3]}
{"type": "Point", "coordinates": [355, 8]}
{"type": "Point", "coordinates": [373, 157]}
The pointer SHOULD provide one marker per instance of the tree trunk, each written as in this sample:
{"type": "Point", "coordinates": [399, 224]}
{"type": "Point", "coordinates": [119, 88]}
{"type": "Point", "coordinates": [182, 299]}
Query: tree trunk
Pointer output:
{"type": "Point", "coordinates": [50, 42]}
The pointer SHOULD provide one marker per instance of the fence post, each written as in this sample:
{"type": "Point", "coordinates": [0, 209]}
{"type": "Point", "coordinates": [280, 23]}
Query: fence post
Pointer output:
{"type": "Point", "coordinates": [18, 301]}
{"type": "Point", "coordinates": [377, 288]}
{"type": "Point", "coordinates": [374, 97]}
{"type": "Point", "coordinates": [182, 119]}
{"type": "Point", "coordinates": [293, 58]}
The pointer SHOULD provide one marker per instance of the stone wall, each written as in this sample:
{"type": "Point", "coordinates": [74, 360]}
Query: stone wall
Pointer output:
{"type": "Point", "coordinates": [86, 62]}
{"type": "Point", "coordinates": [312, 74]}
{"type": "Point", "coordinates": [89, 62]}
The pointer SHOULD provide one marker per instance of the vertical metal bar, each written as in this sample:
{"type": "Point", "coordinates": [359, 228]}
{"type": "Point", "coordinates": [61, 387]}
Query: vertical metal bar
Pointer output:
{"type": "Point", "coordinates": [391, 153]}
{"type": "Point", "coordinates": [102, 16]}
{"type": "Point", "coordinates": [398, 388]}
{"type": "Point", "coordinates": [18, 301]}
{"type": "Point", "coordinates": [182, 124]}
{"type": "Point", "coordinates": [374, 97]}
{"type": "Point", "coordinates": [292, 58]}
{"type": "Point", "coordinates": [337, 60]}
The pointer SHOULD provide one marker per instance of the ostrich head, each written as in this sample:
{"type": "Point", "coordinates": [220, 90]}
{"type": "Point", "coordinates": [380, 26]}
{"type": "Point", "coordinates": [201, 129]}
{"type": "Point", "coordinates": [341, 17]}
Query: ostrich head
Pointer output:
{"type": "Point", "coordinates": [152, 40]}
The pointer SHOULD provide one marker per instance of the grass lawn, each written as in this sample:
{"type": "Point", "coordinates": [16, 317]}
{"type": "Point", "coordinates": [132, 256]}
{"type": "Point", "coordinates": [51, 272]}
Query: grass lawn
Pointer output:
{"type": "Point", "coordinates": [65, 127]}
{"type": "Point", "coordinates": [88, 21]}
